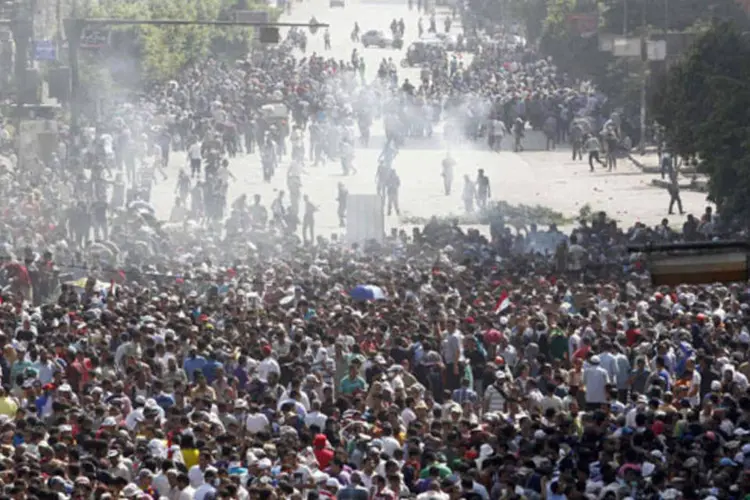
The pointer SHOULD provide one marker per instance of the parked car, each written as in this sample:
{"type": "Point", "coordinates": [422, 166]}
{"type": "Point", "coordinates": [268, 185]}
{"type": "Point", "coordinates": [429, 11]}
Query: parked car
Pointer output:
{"type": "Point", "coordinates": [449, 41]}
{"type": "Point", "coordinates": [376, 38]}
{"type": "Point", "coordinates": [424, 52]}
{"type": "Point", "coordinates": [336, 3]}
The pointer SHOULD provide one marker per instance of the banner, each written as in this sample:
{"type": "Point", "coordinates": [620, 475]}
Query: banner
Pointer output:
{"type": "Point", "coordinates": [585, 24]}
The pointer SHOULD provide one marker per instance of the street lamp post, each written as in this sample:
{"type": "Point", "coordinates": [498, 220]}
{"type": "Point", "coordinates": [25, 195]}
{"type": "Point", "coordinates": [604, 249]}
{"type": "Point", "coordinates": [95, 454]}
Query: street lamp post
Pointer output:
{"type": "Point", "coordinates": [644, 75]}
{"type": "Point", "coordinates": [73, 32]}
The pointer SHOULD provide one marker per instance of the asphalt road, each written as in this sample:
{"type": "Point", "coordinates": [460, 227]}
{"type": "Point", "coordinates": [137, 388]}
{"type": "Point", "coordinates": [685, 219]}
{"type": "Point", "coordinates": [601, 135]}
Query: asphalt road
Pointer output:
{"type": "Point", "coordinates": [546, 178]}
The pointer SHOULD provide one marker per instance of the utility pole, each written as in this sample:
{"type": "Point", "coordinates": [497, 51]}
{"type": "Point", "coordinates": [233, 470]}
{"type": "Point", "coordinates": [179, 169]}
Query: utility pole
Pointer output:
{"type": "Point", "coordinates": [644, 76]}
{"type": "Point", "coordinates": [74, 30]}
{"type": "Point", "coordinates": [21, 28]}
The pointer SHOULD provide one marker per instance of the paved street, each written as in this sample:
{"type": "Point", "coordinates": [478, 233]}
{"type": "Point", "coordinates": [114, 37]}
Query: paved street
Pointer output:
{"type": "Point", "coordinates": [546, 178]}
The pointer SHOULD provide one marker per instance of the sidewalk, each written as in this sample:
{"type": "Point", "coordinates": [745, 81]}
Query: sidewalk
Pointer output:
{"type": "Point", "coordinates": [648, 163]}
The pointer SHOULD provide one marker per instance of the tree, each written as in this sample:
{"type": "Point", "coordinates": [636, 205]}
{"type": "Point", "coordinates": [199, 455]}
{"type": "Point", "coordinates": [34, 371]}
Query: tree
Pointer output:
{"type": "Point", "coordinates": [627, 16]}
{"type": "Point", "coordinates": [164, 50]}
{"type": "Point", "coordinates": [531, 14]}
{"type": "Point", "coordinates": [575, 53]}
{"type": "Point", "coordinates": [580, 57]}
{"type": "Point", "coordinates": [702, 102]}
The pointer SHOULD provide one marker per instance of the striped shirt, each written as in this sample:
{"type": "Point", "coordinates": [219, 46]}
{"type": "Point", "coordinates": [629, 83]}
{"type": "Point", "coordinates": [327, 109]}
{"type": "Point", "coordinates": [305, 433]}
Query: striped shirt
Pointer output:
{"type": "Point", "coordinates": [464, 395]}
{"type": "Point", "coordinates": [494, 399]}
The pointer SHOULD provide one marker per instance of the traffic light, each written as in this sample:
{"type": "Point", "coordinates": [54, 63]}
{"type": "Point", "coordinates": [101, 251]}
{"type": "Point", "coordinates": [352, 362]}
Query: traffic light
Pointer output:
{"type": "Point", "coordinates": [269, 35]}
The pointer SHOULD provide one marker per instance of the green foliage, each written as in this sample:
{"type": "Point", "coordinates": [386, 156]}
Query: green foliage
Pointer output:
{"type": "Point", "coordinates": [666, 15]}
{"type": "Point", "coordinates": [164, 50]}
{"type": "Point", "coordinates": [532, 14]}
{"type": "Point", "coordinates": [702, 103]}
{"type": "Point", "coordinates": [575, 54]}
{"type": "Point", "coordinates": [580, 56]}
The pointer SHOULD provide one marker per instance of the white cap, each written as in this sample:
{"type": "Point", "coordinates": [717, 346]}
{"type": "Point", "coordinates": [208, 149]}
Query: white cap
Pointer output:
{"type": "Point", "coordinates": [647, 468]}
{"type": "Point", "coordinates": [264, 463]}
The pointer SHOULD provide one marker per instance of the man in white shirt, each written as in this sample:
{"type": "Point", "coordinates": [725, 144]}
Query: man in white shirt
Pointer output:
{"type": "Point", "coordinates": [453, 353]}
{"type": "Point", "coordinates": [256, 422]}
{"type": "Point", "coordinates": [195, 157]}
{"type": "Point", "coordinates": [607, 361]}
{"type": "Point", "coordinates": [390, 443]}
{"type": "Point", "coordinates": [45, 367]}
{"type": "Point", "coordinates": [498, 133]}
{"type": "Point", "coordinates": [315, 417]}
{"type": "Point", "coordinates": [595, 380]}
{"type": "Point", "coordinates": [161, 481]}
{"type": "Point", "coordinates": [268, 365]}
{"type": "Point", "coordinates": [694, 390]}
{"type": "Point", "coordinates": [494, 396]}
{"type": "Point", "coordinates": [186, 491]}
{"type": "Point", "coordinates": [534, 395]}
{"type": "Point", "coordinates": [208, 484]}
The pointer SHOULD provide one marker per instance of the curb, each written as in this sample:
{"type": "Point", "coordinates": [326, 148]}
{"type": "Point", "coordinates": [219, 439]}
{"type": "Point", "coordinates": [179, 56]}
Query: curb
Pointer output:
{"type": "Point", "coordinates": [695, 186]}
{"type": "Point", "coordinates": [646, 169]}
{"type": "Point", "coordinates": [650, 169]}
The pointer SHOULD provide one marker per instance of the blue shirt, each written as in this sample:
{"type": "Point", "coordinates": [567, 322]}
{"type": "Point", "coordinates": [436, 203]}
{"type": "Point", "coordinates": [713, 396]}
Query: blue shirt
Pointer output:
{"type": "Point", "coordinates": [209, 370]}
{"type": "Point", "coordinates": [192, 365]}
{"type": "Point", "coordinates": [242, 377]}
{"type": "Point", "coordinates": [664, 374]}
{"type": "Point", "coordinates": [40, 403]}
{"type": "Point", "coordinates": [165, 400]}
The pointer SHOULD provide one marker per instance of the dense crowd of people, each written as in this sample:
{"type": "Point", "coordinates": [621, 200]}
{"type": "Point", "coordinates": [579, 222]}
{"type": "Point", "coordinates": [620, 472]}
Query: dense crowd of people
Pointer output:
{"type": "Point", "coordinates": [217, 356]}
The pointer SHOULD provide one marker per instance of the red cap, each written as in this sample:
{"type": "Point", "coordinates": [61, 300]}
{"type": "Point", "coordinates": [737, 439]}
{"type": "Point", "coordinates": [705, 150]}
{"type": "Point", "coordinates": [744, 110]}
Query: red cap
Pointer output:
{"type": "Point", "coordinates": [493, 336]}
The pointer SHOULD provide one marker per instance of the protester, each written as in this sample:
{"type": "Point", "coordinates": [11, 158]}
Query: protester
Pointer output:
{"type": "Point", "coordinates": [220, 356]}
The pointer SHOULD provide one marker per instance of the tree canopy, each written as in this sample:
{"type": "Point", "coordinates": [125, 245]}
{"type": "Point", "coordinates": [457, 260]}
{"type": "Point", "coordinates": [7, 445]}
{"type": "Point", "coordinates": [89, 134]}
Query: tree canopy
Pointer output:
{"type": "Point", "coordinates": [703, 104]}
{"type": "Point", "coordinates": [579, 55]}
{"type": "Point", "coordinates": [163, 50]}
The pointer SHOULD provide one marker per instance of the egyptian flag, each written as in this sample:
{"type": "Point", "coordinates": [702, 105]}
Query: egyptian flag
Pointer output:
{"type": "Point", "coordinates": [503, 302]}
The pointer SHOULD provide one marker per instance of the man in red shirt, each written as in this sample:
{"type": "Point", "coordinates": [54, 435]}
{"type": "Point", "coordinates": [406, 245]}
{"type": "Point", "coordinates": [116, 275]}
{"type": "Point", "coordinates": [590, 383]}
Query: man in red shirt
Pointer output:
{"type": "Point", "coordinates": [78, 369]}
{"type": "Point", "coordinates": [583, 351]}
{"type": "Point", "coordinates": [322, 452]}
